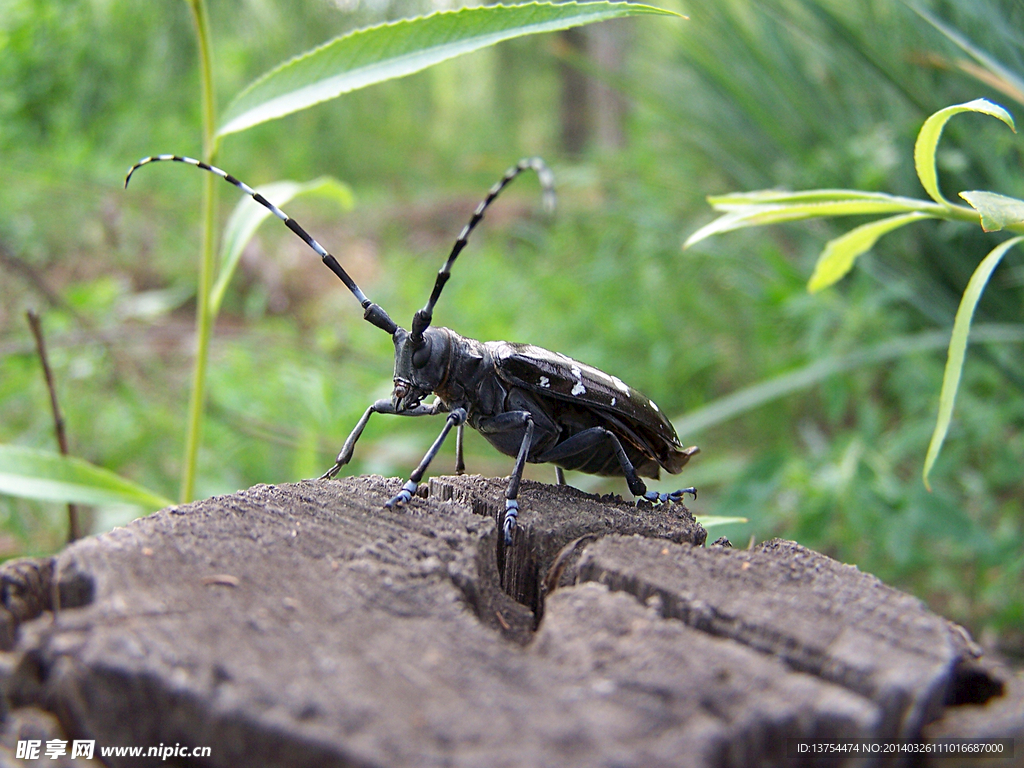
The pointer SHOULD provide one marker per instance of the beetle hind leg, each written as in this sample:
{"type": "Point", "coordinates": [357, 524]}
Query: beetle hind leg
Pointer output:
{"type": "Point", "coordinates": [590, 441]}
{"type": "Point", "coordinates": [674, 496]}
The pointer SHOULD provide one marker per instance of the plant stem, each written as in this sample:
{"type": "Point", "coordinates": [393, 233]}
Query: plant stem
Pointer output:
{"type": "Point", "coordinates": [204, 318]}
{"type": "Point", "coordinates": [74, 529]}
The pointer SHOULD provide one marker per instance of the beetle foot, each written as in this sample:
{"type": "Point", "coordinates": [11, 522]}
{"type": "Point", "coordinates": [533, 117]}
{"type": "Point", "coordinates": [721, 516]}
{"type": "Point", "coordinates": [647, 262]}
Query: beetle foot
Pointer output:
{"type": "Point", "coordinates": [343, 458]}
{"type": "Point", "coordinates": [511, 518]}
{"type": "Point", "coordinates": [330, 472]}
{"type": "Point", "coordinates": [403, 495]}
{"type": "Point", "coordinates": [674, 496]}
{"type": "Point", "coordinates": [678, 495]}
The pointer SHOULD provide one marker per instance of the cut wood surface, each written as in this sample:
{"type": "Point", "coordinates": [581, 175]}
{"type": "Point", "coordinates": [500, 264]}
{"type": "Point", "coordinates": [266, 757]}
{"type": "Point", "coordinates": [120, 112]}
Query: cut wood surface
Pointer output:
{"type": "Point", "coordinates": [305, 625]}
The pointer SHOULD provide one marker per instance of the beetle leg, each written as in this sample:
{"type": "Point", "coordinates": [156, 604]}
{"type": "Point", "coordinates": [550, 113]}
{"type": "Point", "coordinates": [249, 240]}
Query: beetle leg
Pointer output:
{"type": "Point", "coordinates": [559, 476]}
{"type": "Point", "coordinates": [381, 406]}
{"type": "Point", "coordinates": [501, 423]}
{"type": "Point", "coordinates": [456, 418]}
{"type": "Point", "coordinates": [676, 496]}
{"type": "Point", "coordinates": [512, 493]}
{"type": "Point", "coordinates": [460, 464]}
{"type": "Point", "coordinates": [586, 440]}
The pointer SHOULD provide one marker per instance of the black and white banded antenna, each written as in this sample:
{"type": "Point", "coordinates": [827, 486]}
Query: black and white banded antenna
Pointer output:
{"type": "Point", "coordinates": [372, 312]}
{"type": "Point", "coordinates": [421, 320]}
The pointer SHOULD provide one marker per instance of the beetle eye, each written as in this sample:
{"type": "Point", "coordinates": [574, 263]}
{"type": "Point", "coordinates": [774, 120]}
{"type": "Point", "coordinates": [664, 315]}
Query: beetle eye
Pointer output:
{"type": "Point", "coordinates": [421, 356]}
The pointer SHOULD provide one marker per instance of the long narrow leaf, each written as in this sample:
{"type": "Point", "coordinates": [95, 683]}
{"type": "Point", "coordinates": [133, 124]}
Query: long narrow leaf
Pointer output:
{"type": "Point", "coordinates": [745, 400]}
{"type": "Point", "coordinates": [957, 349]}
{"type": "Point", "coordinates": [372, 55]}
{"type": "Point", "coordinates": [713, 521]}
{"type": "Point", "coordinates": [839, 254]}
{"type": "Point", "coordinates": [739, 200]}
{"type": "Point", "coordinates": [928, 141]}
{"type": "Point", "coordinates": [35, 474]}
{"type": "Point", "coordinates": [248, 215]}
{"type": "Point", "coordinates": [759, 215]}
{"type": "Point", "coordinates": [999, 76]}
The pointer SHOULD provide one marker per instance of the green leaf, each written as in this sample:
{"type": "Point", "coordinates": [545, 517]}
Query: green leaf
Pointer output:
{"type": "Point", "coordinates": [372, 55]}
{"type": "Point", "coordinates": [928, 141]}
{"type": "Point", "coordinates": [997, 211]}
{"type": "Point", "coordinates": [739, 200]}
{"type": "Point", "coordinates": [248, 215]}
{"type": "Point", "coordinates": [957, 349]}
{"type": "Point", "coordinates": [710, 521]}
{"type": "Point", "coordinates": [774, 213]}
{"type": "Point", "coordinates": [35, 474]}
{"type": "Point", "coordinates": [992, 73]}
{"type": "Point", "coordinates": [839, 254]}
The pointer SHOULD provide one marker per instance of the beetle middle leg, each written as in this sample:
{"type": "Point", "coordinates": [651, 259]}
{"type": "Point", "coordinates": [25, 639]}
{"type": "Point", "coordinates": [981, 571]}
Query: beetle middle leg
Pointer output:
{"type": "Point", "coordinates": [456, 418]}
{"type": "Point", "coordinates": [507, 422]}
{"type": "Point", "coordinates": [460, 463]}
{"type": "Point", "coordinates": [589, 439]}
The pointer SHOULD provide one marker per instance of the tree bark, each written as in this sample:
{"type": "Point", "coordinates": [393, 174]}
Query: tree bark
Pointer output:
{"type": "Point", "coordinates": [306, 625]}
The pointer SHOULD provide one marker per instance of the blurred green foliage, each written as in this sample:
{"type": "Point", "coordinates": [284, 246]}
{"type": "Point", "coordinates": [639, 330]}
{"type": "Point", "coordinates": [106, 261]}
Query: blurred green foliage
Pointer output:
{"type": "Point", "coordinates": [745, 95]}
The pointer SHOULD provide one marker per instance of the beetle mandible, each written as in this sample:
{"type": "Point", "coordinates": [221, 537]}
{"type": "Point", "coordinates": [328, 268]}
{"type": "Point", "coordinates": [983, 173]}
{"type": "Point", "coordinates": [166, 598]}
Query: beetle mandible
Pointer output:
{"type": "Point", "coordinates": [538, 406]}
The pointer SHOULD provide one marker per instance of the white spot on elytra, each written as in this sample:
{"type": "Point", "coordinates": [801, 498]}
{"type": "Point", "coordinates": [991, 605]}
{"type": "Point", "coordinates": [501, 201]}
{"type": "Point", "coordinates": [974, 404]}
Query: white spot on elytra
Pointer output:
{"type": "Point", "coordinates": [654, 405]}
{"type": "Point", "coordinates": [544, 382]}
{"type": "Point", "coordinates": [620, 385]}
{"type": "Point", "coordinates": [613, 402]}
{"type": "Point", "coordinates": [577, 388]}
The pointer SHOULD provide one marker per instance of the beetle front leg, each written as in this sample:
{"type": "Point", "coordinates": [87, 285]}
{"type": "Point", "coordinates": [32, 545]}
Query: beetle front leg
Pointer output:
{"type": "Point", "coordinates": [381, 406]}
{"type": "Point", "coordinates": [456, 418]}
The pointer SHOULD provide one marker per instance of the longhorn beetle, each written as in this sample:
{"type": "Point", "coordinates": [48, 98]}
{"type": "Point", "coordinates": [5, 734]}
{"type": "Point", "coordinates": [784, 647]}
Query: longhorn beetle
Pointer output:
{"type": "Point", "coordinates": [536, 405]}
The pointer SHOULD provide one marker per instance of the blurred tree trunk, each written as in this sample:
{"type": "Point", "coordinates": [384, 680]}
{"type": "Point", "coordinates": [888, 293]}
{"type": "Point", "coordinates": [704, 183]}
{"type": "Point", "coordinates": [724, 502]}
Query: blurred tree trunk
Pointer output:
{"type": "Point", "coordinates": [592, 112]}
{"type": "Point", "coordinates": [574, 94]}
{"type": "Point", "coordinates": [606, 45]}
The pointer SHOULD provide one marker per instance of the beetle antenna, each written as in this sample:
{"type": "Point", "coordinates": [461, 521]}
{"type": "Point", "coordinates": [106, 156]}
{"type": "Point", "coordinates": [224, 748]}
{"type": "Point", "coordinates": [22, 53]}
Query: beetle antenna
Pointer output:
{"type": "Point", "coordinates": [421, 320]}
{"type": "Point", "coordinates": [373, 313]}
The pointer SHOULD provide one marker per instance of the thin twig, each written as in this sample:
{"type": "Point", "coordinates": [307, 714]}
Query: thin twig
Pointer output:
{"type": "Point", "coordinates": [14, 264]}
{"type": "Point", "coordinates": [58, 418]}
{"type": "Point", "coordinates": [31, 276]}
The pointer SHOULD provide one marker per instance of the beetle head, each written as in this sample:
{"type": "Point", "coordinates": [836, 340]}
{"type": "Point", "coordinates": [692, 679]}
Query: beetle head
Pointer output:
{"type": "Point", "coordinates": [419, 367]}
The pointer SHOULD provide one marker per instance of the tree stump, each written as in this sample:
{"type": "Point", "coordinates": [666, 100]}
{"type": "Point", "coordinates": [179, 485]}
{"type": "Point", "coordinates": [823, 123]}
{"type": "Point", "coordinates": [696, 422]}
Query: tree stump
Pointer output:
{"type": "Point", "coordinates": [306, 625]}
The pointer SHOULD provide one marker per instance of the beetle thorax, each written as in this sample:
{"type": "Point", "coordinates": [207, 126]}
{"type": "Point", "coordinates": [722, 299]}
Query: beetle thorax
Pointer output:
{"type": "Point", "coordinates": [471, 382]}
